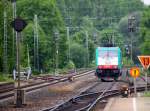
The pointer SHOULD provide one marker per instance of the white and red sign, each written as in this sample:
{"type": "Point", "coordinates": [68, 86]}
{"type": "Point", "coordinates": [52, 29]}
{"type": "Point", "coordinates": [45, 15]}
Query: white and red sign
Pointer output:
{"type": "Point", "coordinates": [145, 61]}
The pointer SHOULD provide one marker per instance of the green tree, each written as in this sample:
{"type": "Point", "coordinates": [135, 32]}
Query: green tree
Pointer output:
{"type": "Point", "coordinates": [49, 19]}
{"type": "Point", "coordinates": [1, 34]}
{"type": "Point", "coordinates": [145, 27]}
{"type": "Point", "coordinates": [6, 5]}
{"type": "Point", "coordinates": [78, 55]}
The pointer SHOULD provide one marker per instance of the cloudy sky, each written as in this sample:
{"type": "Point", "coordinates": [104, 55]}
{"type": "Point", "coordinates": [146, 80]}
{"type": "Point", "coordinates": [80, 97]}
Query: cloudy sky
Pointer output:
{"type": "Point", "coordinates": [147, 2]}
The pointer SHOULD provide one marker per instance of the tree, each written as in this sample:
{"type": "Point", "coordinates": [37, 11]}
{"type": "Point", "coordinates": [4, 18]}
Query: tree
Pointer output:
{"type": "Point", "coordinates": [145, 27]}
{"type": "Point", "coordinates": [6, 5]}
{"type": "Point", "coordinates": [49, 19]}
{"type": "Point", "coordinates": [78, 55]}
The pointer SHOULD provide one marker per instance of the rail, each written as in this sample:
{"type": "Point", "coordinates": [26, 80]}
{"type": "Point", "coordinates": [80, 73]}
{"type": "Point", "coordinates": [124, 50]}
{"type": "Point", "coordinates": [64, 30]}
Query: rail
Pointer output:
{"type": "Point", "coordinates": [87, 102]}
{"type": "Point", "coordinates": [10, 92]}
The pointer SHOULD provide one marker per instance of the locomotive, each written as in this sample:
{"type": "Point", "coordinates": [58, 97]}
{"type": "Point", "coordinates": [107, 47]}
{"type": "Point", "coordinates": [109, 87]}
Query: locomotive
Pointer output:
{"type": "Point", "coordinates": [108, 63]}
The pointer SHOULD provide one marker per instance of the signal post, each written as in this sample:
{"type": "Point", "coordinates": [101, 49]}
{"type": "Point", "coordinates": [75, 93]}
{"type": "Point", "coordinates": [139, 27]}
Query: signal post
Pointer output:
{"type": "Point", "coordinates": [145, 61]}
{"type": "Point", "coordinates": [135, 72]}
{"type": "Point", "coordinates": [18, 24]}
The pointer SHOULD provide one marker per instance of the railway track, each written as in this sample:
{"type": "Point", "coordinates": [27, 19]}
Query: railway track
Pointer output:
{"type": "Point", "coordinates": [9, 92]}
{"type": "Point", "coordinates": [4, 87]}
{"type": "Point", "coordinates": [70, 73]}
{"type": "Point", "coordinates": [87, 100]}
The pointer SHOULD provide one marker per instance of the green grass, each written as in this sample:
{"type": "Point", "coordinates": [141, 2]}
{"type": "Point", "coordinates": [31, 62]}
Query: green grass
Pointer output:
{"type": "Point", "coordinates": [5, 78]}
{"type": "Point", "coordinates": [146, 94]}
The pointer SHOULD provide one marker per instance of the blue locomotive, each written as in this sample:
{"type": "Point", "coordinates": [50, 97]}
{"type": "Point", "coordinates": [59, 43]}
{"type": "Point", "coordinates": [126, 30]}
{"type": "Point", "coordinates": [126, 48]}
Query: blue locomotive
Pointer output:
{"type": "Point", "coordinates": [108, 62]}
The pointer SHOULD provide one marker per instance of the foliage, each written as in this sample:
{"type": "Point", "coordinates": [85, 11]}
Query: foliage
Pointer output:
{"type": "Point", "coordinates": [70, 65]}
{"type": "Point", "coordinates": [1, 35]}
{"type": "Point", "coordinates": [6, 6]}
{"type": "Point", "coordinates": [28, 39]}
{"type": "Point", "coordinates": [78, 55]}
{"type": "Point", "coordinates": [146, 94]}
{"type": "Point", "coordinates": [88, 21]}
{"type": "Point", "coordinates": [5, 78]}
{"type": "Point", "coordinates": [127, 61]}
{"type": "Point", "coordinates": [49, 19]}
{"type": "Point", "coordinates": [111, 35]}
{"type": "Point", "coordinates": [100, 11]}
{"type": "Point", "coordinates": [145, 38]}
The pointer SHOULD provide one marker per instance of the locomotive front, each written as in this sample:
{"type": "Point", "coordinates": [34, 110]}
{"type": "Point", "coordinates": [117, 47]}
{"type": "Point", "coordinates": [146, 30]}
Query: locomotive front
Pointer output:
{"type": "Point", "coordinates": [108, 62]}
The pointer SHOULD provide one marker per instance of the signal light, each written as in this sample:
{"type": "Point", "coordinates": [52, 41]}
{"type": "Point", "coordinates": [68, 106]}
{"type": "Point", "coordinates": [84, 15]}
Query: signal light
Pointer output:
{"type": "Point", "coordinates": [127, 51]}
{"type": "Point", "coordinates": [132, 24]}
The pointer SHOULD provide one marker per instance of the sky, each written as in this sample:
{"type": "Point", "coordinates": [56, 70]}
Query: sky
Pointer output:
{"type": "Point", "coordinates": [147, 2]}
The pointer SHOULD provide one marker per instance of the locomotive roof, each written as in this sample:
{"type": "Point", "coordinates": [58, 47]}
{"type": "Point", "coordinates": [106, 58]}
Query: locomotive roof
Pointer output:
{"type": "Point", "coordinates": [108, 48]}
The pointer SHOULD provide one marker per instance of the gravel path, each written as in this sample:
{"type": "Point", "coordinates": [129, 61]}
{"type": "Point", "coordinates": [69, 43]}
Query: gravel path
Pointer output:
{"type": "Point", "coordinates": [52, 95]}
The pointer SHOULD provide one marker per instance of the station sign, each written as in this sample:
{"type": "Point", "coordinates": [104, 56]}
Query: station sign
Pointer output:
{"type": "Point", "coordinates": [145, 61]}
{"type": "Point", "coordinates": [135, 72]}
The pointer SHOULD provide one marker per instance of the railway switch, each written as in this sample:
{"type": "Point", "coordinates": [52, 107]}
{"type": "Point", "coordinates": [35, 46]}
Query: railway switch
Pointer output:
{"type": "Point", "coordinates": [125, 91]}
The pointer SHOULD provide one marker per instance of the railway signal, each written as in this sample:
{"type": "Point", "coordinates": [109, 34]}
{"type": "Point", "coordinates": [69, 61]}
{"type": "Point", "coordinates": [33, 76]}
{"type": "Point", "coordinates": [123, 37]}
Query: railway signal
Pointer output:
{"type": "Point", "coordinates": [132, 24]}
{"type": "Point", "coordinates": [135, 72]}
{"type": "Point", "coordinates": [127, 50]}
{"type": "Point", "coordinates": [18, 24]}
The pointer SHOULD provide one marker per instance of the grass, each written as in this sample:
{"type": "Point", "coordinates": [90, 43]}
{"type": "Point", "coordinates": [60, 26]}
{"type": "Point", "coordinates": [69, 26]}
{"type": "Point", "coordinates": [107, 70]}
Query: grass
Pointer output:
{"type": "Point", "coordinates": [146, 94]}
{"type": "Point", "coordinates": [60, 71]}
{"type": "Point", "coordinates": [5, 78]}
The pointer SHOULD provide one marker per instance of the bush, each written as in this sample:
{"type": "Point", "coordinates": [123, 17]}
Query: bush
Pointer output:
{"type": "Point", "coordinates": [92, 65]}
{"type": "Point", "coordinates": [146, 94]}
{"type": "Point", "coordinates": [5, 78]}
{"type": "Point", "coordinates": [70, 65]}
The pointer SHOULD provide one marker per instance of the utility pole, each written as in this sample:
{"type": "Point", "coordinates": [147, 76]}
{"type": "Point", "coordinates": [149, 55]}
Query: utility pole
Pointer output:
{"type": "Point", "coordinates": [68, 39]}
{"type": "Point", "coordinates": [18, 57]}
{"type": "Point", "coordinates": [131, 29]}
{"type": "Point", "coordinates": [14, 32]}
{"type": "Point", "coordinates": [56, 33]}
{"type": "Point", "coordinates": [69, 29]}
{"type": "Point", "coordinates": [113, 38]}
{"type": "Point", "coordinates": [87, 47]}
{"type": "Point", "coordinates": [36, 44]}
{"type": "Point", "coordinates": [28, 55]}
{"type": "Point", "coordinates": [131, 49]}
{"type": "Point", "coordinates": [5, 56]}
{"type": "Point", "coordinates": [95, 37]}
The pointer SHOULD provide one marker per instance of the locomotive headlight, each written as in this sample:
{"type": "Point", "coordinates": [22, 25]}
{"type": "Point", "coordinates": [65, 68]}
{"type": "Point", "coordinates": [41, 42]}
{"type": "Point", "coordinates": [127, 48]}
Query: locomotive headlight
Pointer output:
{"type": "Point", "coordinates": [116, 71]}
{"type": "Point", "coordinates": [100, 71]}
